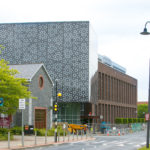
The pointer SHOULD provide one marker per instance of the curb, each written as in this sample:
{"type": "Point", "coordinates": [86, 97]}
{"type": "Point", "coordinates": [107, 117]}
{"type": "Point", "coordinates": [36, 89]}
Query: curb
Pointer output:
{"type": "Point", "coordinates": [44, 145]}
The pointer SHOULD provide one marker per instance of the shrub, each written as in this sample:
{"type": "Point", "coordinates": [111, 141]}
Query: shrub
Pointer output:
{"type": "Point", "coordinates": [125, 120]}
{"type": "Point", "coordinates": [40, 132]}
{"type": "Point", "coordinates": [3, 131]}
{"type": "Point", "coordinates": [139, 120]}
{"type": "Point", "coordinates": [4, 134]}
{"type": "Point", "coordinates": [130, 120]}
{"type": "Point", "coordinates": [50, 132]}
{"type": "Point", "coordinates": [135, 120]}
{"type": "Point", "coordinates": [16, 130]}
{"type": "Point", "coordinates": [119, 120]}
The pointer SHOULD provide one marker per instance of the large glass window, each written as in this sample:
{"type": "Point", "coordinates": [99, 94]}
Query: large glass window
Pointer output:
{"type": "Point", "coordinates": [69, 112]}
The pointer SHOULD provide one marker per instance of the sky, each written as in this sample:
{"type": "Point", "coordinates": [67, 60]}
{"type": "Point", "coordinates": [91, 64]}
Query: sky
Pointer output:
{"type": "Point", "coordinates": [117, 24]}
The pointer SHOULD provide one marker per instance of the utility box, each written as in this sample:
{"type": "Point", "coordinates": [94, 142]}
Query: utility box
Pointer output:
{"type": "Point", "coordinates": [28, 129]}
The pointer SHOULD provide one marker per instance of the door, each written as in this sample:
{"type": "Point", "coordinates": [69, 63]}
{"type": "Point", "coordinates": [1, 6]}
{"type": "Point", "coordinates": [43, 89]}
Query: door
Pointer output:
{"type": "Point", "coordinates": [40, 118]}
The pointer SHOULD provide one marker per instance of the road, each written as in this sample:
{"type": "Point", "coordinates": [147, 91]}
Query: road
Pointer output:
{"type": "Point", "coordinates": [127, 142]}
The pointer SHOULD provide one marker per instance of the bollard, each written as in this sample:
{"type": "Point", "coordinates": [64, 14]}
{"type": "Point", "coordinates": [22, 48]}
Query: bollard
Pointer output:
{"type": "Point", "coordinates": [22, 139]}
{"type": "Point", "coordinates": [73, 136]}
{"type": "Point", "coordinates": [45, 136]}
{"type": "Point", "coordinates": [119, 133]}
{"type": "Point", "coordinates": [86, 134]}
{"type": "Point", "coordinates": [68, 136]}
{"type": "Point", "coordinates": [9, 139]}
{"type": "Point", "coordinates": [35, 137]}
{"type": "Point", "coordinates": [64, 136]}
{"type": "Point", "coordinates": [58, 135]}
{"type": "Point", "coordinates": [107, 133]}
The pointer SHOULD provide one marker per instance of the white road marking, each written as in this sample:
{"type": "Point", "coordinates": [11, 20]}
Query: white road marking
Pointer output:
{"type": "Point", "coordinates": [137, 145]}
{"type": "Point", "coordinates": [143, 143]}
{"type": "Point", "coordinates": [120, 145]}
{"type": "Point", "coordinates": [131, 143]}
{"type": "Point", "coordinates": [100, 142]}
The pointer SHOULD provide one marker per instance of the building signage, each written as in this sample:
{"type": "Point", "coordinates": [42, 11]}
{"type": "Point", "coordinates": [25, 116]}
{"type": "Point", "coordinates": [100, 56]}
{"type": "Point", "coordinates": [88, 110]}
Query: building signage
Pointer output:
{"type": "Point", "coordinates": [146, 117]}
{"type": "Point", "coordinates": [5, 121]}
{"type": "Point", "coordinates": [22, 103]}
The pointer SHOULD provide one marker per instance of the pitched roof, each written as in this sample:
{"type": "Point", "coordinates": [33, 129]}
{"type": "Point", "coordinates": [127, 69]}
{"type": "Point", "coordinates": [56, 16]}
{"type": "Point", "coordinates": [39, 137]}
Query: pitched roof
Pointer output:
{"type": "Point", "coordinates": [28, 71]}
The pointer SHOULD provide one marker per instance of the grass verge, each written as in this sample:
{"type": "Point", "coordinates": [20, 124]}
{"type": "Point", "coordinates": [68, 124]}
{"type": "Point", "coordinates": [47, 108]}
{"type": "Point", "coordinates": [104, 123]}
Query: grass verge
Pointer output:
{"type": "Point", "coordinates": [144, 148]}
{"type": "Point", "coordinates": [4, 137]}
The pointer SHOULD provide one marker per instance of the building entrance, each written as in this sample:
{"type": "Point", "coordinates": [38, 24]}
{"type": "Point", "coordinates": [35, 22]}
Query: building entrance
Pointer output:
{"type": "Point", "coordinates": [40, 118]}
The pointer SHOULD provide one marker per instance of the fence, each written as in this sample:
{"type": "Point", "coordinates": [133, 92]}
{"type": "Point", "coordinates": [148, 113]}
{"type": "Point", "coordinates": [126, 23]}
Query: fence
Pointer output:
{"type": "Point", "coordinates": [117, 129]}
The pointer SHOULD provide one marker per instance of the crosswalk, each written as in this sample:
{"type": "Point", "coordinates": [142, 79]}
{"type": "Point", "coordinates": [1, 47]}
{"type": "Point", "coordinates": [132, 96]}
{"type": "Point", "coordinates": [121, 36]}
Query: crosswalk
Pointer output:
{"type": "Point", "coordinates": [114, 143]}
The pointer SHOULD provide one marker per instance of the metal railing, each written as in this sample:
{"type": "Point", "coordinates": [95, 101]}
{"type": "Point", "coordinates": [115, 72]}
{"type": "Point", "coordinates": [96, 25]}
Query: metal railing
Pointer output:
{"type": "Point", "coordinates": [34, 140]}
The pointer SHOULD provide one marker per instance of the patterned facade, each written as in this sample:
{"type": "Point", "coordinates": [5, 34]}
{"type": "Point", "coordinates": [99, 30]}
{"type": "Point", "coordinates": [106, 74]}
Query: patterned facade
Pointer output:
{"type": "Point", "coordinates": [63, 47]}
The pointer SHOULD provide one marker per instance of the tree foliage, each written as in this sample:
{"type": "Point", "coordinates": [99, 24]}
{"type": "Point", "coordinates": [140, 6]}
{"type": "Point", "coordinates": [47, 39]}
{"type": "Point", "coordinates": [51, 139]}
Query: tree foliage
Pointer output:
{"type": "Point", "coordinates": [11, 88]}
{"type": "Point", "coordinates": [142, 109]}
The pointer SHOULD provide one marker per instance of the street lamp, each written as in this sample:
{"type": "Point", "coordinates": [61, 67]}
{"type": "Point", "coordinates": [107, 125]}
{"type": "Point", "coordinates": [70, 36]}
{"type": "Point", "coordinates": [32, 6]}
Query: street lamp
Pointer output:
{"type": "Point", "coordinates": [148, 122]}
{"type": "Point", "coordinates": [55, 109]}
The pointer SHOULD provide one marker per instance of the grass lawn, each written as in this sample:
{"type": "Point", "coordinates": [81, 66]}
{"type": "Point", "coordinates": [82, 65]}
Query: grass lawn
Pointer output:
{"type": "Point", "coordinates": [144, 148]}
{"type": "Point", "coordinates": [5, 137]}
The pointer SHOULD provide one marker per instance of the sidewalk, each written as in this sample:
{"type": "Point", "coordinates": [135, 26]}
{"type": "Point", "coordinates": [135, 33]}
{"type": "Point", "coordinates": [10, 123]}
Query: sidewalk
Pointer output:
{"type": "Point", "coordinates": [29, 141]}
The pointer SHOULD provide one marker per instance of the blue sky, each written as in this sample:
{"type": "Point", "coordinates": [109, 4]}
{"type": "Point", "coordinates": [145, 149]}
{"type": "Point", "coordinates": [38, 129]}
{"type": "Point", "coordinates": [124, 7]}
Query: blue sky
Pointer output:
{"type": "Point", "coordinates": [117, 24]}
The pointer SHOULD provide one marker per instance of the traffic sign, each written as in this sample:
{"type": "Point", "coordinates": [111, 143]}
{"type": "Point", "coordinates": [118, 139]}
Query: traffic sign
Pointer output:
{"type": "Point", "coordinates": [1, 101]}
{"type": "Point", "coordinates": [22, 103]}
{"type": "Point", "coordinates": [101, 116]}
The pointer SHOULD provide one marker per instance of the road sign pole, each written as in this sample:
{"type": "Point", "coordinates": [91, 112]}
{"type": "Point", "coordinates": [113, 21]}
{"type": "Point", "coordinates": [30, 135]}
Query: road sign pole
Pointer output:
{"type": "Point", "coordinates": [22, 130]}
{"type": "Point", "coordinates": [22, 107]}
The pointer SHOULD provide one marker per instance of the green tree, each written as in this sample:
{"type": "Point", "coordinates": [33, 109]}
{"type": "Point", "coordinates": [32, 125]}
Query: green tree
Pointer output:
{"type": "Point", "coordinates": [11, 88]}
{"type": "Point", "coordinates": [142, 109]}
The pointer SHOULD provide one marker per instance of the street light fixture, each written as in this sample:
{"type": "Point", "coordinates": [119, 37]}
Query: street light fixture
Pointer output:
{"type": "Point", "coordinates": [145, 29]}
{"type": "Point", "coordinates": [148, 122]}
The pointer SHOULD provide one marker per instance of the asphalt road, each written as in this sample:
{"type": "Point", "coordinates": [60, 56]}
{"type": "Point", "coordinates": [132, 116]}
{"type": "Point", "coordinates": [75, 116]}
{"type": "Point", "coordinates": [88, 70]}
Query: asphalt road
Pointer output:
{"type": "Point", "coordinates": [127, 142]}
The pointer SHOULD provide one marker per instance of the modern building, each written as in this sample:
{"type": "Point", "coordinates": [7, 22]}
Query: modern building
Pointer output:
{"type": "Point", "coordinates": [115, 92]}
{"type": "Point", "coordinates": [68, 51]}
{"type": "Point", "coordinates": [37, 111]}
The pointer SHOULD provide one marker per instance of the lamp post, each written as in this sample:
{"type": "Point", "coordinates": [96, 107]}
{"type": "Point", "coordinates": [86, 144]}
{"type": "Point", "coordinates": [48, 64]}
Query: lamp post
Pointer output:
{"type": "Point", "coordinates": [145, 32]}
{"type": "Point", "coordinates": [55, 108]}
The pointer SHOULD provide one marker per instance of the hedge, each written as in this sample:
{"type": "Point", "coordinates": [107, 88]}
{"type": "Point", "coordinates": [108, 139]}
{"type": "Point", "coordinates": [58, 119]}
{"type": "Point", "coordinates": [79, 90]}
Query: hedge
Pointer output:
{"type": "Point", "coordinates": [50, 132]}
{"type": "Point", "coordinates": [4, 134]}
{"type": "Point", "coordinates": [129, 120]}
{"type": "Point", "coordinates": [40, 132]}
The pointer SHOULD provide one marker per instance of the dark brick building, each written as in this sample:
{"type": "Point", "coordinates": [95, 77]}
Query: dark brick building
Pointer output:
{"type": "Point", "coordinates": [116, 95]}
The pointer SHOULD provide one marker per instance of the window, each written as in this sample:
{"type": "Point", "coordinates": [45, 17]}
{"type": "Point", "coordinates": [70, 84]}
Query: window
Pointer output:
{"type": "Point", "coordinates": [41, 82]}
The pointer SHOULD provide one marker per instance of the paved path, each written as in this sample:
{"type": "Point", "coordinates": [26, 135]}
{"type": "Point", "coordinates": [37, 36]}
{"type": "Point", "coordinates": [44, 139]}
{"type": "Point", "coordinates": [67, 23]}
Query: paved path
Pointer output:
{"type": "Point", "coordinates": [29, 141]}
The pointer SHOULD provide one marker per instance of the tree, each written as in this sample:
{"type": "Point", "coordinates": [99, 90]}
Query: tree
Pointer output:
{"type": "Point", "coordinates": [142, 109]}
{"type": "Point", "coordinates": [11, 88]}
